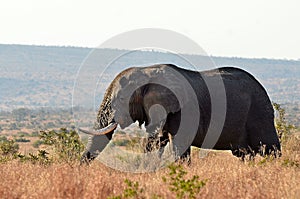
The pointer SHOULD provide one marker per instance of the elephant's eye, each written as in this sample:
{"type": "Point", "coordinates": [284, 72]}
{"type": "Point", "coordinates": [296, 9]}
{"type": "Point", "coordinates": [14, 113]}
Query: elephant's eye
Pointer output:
{"type": "Point", "coordinates": [121, 99]}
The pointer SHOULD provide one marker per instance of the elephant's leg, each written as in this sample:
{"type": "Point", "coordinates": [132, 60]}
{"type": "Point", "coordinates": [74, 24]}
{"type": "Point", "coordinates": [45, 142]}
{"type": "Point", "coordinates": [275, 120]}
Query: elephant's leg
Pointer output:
{"type": "Point", "coordinates": [240, 152]}
{"type": "Point", "coordinates": [239, 146]}
{"type": "Point", "coordinates": [160, 141]}
{"type": "Point", "coordinates": [164, 139]}
{"type": "Point", "coordinates": [261, 130]}
{"type": "Point", "coordinates": [263, 140]}
{"type": "Point", "coordinates": [158, 137]}
{"type": "Point", "coordinates": [182, 154]}
{"type": "Point", "coordinates": [185, 157]}
{"type": "Point", "coordinates": [152, 143]}
{"type": "Point", "coordinates": [157, 142]}
{"type": "Point", "coordinates": [87, 157]}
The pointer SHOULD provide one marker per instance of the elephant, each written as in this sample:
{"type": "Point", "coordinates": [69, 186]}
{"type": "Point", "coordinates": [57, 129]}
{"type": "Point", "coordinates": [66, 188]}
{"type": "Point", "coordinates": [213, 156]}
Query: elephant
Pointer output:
{"type": "Point", "coordinates": [247, 127]}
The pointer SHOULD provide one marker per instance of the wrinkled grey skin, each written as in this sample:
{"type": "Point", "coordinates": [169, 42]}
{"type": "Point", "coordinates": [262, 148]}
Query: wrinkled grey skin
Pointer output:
{"type": "Point", "coordinates": [249, 122]}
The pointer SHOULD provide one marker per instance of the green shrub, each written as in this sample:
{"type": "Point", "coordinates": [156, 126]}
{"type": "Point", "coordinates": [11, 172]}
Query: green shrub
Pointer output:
{"type": "Point", "coordinates": [8, 147]}
{"type": "Point", "coordinates": [9, 151]}
{"type": "Point", "coordinates": [66, 144]}
{"type": "Point", "coordinates": [291, 163]}
{"type": "Point", "coordinates": [41, 157]}
{"type": "Point", "coordinates": [283, 128]}
{"type": "Point", "coordinates": [182, 187]}
{"type": "Point", "coordinates": [132, 191]}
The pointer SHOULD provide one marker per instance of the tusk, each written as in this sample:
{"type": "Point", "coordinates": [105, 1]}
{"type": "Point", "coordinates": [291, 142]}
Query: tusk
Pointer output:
{"type": "Point", "coordinates": [103, 131]}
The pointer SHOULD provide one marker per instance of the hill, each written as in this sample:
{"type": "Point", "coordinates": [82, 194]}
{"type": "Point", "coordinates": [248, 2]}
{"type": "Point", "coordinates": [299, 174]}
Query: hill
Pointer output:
{"type": "Point", "coordinates": [44, 76]}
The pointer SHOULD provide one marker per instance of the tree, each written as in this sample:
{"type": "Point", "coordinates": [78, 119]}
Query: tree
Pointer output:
{"type": "Point", "coordinates": [20, 114]}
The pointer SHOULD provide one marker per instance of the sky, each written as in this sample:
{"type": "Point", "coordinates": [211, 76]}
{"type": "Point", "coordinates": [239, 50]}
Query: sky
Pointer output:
{"type": "Point", "coordinates": [234, 28]}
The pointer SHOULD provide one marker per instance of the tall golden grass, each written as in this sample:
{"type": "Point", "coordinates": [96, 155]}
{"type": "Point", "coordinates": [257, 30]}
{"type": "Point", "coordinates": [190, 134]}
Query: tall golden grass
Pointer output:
{"type": "Point", "coordinates": [227, 177]}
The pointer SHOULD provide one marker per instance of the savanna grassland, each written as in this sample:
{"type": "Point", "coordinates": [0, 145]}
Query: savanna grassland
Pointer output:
{"type": "Point", "coordinates": [218, 175]}
{"type": "Point", "coordinates": [45, 164]}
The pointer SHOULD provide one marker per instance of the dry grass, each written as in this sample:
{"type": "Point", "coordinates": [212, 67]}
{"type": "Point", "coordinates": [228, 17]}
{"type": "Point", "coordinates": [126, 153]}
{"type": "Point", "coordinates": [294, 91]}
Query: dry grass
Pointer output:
{"type": "Point", "coordinates": [227, 177]}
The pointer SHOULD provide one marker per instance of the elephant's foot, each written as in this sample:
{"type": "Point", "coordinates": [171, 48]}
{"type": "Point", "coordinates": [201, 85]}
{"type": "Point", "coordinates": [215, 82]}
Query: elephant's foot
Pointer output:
{"type": "Point", "coordinates": [157, 141]}
{"type": "Point", "coordinates": [243, 152]}
{"type": "Point", "coordinates": [185, 157]}
{"type": "Point", "coordinates": [86, 158]}
{"type": "Point", "coordinates": [269, 150]}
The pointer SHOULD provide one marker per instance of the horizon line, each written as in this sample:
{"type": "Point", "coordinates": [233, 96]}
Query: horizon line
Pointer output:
{"type": "Point", "coordinates": [152, 50]}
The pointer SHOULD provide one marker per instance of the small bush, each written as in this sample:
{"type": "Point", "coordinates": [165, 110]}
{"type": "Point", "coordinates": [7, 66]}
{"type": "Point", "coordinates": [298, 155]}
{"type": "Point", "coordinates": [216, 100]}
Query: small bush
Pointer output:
{"type": "Point", "coordinates": [132, 191]}
{"type": "Point", "coordinates": [41, 157]}
{"type": "Point", "coordinates": [8, 150]}
{"type": "Point", "coordinates": [183, 188]}
{"type": "Point", "coordinates": [291, 163]}
{"type": "Point", "coordinates": [8, 147]}
{"type": "Point", "coordinates": [66, 144]}
{"type": "Point", "coordinates": [283, 128]}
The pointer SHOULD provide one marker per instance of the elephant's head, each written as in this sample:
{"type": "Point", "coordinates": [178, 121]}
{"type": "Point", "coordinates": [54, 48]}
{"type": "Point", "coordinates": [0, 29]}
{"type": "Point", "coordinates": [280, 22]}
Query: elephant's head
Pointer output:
{"type": "Point", "coordinates": [136, 94]}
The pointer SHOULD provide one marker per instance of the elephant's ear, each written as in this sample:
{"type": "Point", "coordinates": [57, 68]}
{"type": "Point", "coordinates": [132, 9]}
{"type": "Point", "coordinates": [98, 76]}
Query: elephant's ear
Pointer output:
{"type": "Point", "coordinates": [157, 94]}
{"type": "Point", "coordinates": [163, 85]}
{"type": "Point", "coordinates": [169, 87]}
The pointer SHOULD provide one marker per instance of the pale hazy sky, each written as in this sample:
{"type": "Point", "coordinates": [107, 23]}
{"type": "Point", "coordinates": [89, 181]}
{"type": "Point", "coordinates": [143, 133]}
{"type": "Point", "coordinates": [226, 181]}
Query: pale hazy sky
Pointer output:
{"type": "Point", "coordinates": [256, 28]}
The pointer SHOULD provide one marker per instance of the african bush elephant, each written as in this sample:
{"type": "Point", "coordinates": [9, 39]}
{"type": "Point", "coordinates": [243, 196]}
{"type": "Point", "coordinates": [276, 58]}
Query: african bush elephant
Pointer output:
{"type": "Point", "coordinates": [248, 123]}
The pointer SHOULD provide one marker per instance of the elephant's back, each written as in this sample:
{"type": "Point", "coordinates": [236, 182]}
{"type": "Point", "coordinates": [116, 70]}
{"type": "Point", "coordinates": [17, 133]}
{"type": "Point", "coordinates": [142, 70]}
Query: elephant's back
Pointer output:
{"type": "Point", "coordinates": [231, 73]}
{"type": "Point", "coordinates": [233, 77]}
